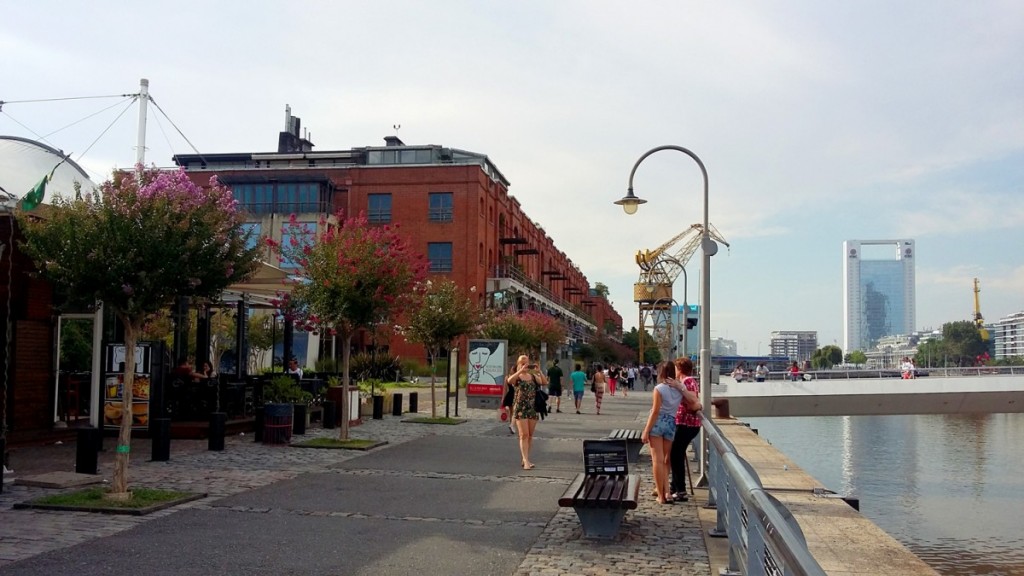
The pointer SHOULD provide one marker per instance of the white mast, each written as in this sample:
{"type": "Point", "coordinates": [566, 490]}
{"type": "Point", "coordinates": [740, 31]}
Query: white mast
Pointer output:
{"type": "Point", "coordinates": [140, 150]}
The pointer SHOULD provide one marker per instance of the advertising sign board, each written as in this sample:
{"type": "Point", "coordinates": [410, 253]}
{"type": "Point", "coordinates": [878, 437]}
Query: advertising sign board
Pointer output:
{"type": "Point", "coordinates": [485, 372]}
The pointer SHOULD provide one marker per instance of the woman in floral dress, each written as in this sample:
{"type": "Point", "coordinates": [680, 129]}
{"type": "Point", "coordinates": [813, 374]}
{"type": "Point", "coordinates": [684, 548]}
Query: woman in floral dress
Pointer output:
{"type": "Point", "coordinates": [526, 379]}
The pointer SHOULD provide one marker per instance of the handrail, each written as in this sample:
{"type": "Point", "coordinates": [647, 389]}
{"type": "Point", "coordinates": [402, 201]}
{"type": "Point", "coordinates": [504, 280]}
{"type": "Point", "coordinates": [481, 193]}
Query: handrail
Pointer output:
{"type": "Point", "coordinates": [919, 372]}
{"type": "Point", "coordinates": [764, 538]}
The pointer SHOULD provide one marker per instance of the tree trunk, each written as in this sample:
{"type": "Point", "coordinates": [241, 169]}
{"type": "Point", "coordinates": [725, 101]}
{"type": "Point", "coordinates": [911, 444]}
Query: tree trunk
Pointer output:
{"type": "Point", "coordinates": [433, 373]}
{"type": "Point", "coordinates": [346, 355]}
{"type": "Point", "coordinates": [119, 486]}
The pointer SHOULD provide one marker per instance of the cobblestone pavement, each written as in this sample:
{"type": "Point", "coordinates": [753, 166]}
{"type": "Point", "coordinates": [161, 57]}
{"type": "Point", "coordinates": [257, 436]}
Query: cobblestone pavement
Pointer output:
{"type": "Point", "coordinates": [655, 539]}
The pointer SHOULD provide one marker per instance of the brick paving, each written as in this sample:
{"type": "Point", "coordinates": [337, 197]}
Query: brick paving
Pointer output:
{"type": "Point", "coordinates": [655, 539]}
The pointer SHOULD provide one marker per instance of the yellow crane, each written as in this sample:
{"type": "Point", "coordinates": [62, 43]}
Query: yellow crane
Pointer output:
{"type": "Point", "coordinates": [659, 269]}
{"type": "Point", "coordinates": [979, 321]}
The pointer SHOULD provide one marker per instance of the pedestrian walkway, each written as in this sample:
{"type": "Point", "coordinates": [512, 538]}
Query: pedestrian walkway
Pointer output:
{"type": "Point", "coordinates": [435, 500]}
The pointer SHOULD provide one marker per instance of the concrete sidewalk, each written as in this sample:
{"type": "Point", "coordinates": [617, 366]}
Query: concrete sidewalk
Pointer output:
{"type": "Point", "coordinates": [435, 500]}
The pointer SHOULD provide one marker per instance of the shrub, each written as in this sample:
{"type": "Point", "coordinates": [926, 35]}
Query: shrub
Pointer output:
{"type": "Point", "coordinates": [379, 365]}
{"type": "Point", "coordinates": [284, 390]}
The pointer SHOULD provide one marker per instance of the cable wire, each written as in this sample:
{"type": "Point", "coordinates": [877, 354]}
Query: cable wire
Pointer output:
{"type": "Point", "coordinates": [134, 98]}
{"type": "Point", "coordinates": [196, 150]}
{"type": "Point", "coordinates": [37, 100]}
{"type": "Point", "coordinates": [84, 119]}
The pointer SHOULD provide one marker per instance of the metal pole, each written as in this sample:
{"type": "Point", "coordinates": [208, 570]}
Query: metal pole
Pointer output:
{"type": "Point", "coordinates": [686, 314]}
{"type": "Point", "coordinates": [708, 248]}
{"type": "Point", "coordinates": [140, 149]}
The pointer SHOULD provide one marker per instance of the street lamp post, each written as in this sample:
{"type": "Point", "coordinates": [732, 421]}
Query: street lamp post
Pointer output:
{"type": "Point", "coordinates": [630, 203]}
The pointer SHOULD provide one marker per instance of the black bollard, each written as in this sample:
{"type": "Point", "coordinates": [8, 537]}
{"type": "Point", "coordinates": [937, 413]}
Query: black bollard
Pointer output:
{"type": "Point", "coordinates": [396, 404]}
{"type": "Point", "coordinates": [87, 450]}
{"type": "Point", "coordinates": [257, 433]}
{"type": "Point", "coordinates": [3, 462]}
{"type": "Point", "coordinates": [299, 418]}
{"type": "Point", "coordinates": [161, 440]}
{"type": "Point", "coordinates": [378, 407]}
{"type": "Point", "coordinates": [218, 426]}
{"type": "Point", "coordinates": [330, 414]}
{"type": "Point", "coordinates": [414, 401]}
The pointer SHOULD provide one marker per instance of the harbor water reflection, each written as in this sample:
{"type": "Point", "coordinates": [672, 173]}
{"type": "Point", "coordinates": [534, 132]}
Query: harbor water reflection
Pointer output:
{"type": "Point", "coordinates": [949, 487]}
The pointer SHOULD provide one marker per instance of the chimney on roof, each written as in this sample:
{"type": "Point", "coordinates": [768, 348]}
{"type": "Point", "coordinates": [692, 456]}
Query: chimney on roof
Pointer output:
{"type": "Point", "coordinates": [393, 141]}
{"type": "Point", "coordinates": [290, 140]}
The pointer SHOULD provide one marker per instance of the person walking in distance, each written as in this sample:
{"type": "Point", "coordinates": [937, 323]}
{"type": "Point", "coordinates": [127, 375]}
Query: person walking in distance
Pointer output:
{"type": "Point", "coordinates": [555, 385]}
{"type": "Point", "coordinates": [687, 420]}
{"type": "Point", "coordinates": [661, 429]}
{"type": "Point", "coordinates": [526, 380]}
{"type": "Point", "coordinates": [579, 383]}
{"type": "Point", "coordinates": [600, 386]}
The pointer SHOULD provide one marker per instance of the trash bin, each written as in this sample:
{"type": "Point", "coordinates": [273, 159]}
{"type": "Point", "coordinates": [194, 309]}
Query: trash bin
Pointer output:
{"type": "Point", "coordinates": [277, 423]}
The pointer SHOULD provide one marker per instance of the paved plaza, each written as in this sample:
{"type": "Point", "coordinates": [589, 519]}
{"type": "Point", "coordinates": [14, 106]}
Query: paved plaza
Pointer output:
{"type": "Point", "coordinates": [434, 500]}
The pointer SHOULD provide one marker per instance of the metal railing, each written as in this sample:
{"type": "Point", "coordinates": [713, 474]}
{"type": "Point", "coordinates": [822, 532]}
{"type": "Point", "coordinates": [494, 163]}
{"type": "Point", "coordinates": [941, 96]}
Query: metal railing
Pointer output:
{"type": "Point", "coordinates": [764, 538]}
{"type": "Point", "coordinates": [514, 273]}
{"type": "Point", "coordinates": [919, 372]}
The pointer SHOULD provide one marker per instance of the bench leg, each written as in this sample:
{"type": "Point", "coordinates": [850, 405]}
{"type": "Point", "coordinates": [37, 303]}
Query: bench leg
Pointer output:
{"type": "Point", "coordinates": [600, 523]}
{"type": "Point", "coordinates": [633, 452]}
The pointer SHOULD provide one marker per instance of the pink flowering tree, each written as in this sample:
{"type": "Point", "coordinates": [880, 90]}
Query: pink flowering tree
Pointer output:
{"type": "Point", "coordinates": [145, 238]}
{"type": "Point", "coordinates": [352, 276]}
{"type": "Point", "coordinates": [444, 314]}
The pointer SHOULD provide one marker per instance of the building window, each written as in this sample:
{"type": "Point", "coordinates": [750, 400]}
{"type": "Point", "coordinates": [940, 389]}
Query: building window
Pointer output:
{"type": "Point", "coordinates": [253, 230]}
{"type": "Point", "coordinates": [440, 256]}
{"type": "Point", "coordinates": [282, 198]}
{"type": "Point", "coordinates": [379, 208]}
{"type": "Point", "coordinates": [293, 238]}
{"type": "Point", "coordinates": [440, 207]}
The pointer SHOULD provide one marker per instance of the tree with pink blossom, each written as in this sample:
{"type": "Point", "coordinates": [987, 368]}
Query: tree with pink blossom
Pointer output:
{"type": "Point", "coordinates": [351, 277]}
{"type": "Point", "coordinates": [143, 239]}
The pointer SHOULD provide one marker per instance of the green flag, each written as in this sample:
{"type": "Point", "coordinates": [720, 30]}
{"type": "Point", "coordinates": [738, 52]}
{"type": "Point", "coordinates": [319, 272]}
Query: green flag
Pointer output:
{"type": "Point", "coordinates": [35, 195]}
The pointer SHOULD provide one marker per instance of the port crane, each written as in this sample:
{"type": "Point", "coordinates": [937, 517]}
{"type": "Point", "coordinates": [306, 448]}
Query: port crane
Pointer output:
{"type": "Point", "coordinates": [979, 321]}
{"type": "Point", "coordinates": [659, 269]}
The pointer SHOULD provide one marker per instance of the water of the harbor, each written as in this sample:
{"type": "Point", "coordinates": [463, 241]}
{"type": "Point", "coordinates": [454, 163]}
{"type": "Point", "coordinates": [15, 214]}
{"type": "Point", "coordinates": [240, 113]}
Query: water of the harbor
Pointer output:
{"type": "Point", "coordinates": [949, 487]}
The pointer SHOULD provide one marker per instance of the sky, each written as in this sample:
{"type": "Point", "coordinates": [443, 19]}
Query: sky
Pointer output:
{"type": "Point", "coordinates": [818, 122]}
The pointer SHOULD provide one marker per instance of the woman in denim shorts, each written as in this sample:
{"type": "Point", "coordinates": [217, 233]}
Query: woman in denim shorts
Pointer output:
{"type": "Point", "coordinates": [661, 428]}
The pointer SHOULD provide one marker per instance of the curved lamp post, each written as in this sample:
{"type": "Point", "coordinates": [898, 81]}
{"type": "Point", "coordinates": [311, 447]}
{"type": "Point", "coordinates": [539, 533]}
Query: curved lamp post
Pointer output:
{"type": "Point", "coordinates": [708, 247]}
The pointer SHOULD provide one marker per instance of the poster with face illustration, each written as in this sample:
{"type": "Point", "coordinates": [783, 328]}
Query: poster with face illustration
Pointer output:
{"type": "Point", "coordinates": [485, 370]}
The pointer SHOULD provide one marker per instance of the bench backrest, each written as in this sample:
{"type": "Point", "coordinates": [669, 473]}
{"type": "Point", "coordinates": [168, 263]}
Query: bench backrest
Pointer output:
{"type": "Point", "coordinates": [605, 457]}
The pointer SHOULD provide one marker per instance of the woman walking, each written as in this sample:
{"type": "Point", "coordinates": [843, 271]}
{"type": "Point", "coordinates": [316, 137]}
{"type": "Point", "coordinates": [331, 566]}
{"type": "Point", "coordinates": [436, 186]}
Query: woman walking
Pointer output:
{"type": "Point", "coordinates": [526, 379]}
{"type": "Point", "coordinates": [687, 427]}
{"type": "Point", "coordinates": [600, 385]}
{"type": "Point", "coordinates": [661, 429]}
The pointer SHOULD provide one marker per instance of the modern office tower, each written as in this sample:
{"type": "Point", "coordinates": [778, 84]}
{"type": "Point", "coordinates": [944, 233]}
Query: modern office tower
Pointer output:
{"type": "Point", "coordinates": [796, 345]}
{"type": "Point", "coordinates": [878, 291]}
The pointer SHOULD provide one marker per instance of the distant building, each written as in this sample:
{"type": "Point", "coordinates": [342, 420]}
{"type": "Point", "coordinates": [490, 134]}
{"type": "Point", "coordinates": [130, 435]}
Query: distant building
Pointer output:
{"type": "Point", "coordinates": [692, 339]}
{"type": "Point", "coordinates": [722, 347]}
{"type": "Point", "coordinates": [1008, 336]}
{"type": "Point", "coordinates": [796, 345]}
{"type": "Point", "coordinates": [878, 292]}
{"type": "Point", "coordinates": [453, 205]}
{"type": "Point", "coordinates": [890, 350]}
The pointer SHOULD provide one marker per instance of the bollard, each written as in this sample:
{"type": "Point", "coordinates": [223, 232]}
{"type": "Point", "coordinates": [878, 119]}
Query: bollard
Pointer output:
{"type": "Point", "coordinates": [396, 404]}
{"type": "Point", "coordinates": [161, 428]}
{"type": "Point", "coordinates": [86, 451]}
{"type": "Point", "coordinates": [414, 401]}
{"type": "Point", "coordinates": [378, 407]}
{"type": "Point", "coordinates": [257, 433]}
{"type": "Point", "coordinates": [218, 425]}
{"type": "Point", "coordinates": [3, 462]}
{"type": "Point", "coordinates": [299, 419]}
{"type": "Point", "coordinates": [330, 414]}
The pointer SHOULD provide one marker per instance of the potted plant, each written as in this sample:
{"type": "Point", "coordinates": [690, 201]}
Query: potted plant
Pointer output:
{"type": "Point", "coordinates": [280, 394]}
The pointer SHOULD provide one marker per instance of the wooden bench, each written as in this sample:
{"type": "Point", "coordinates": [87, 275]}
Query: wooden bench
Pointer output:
{"type": "Point", "coordinates": [633, 442]}
{"type": "Point", "coordinates": [603, 493]}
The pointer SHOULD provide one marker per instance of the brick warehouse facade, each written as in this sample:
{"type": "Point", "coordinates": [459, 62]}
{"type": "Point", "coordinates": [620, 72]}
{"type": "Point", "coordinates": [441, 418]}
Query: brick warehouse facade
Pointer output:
{"type": "Point", "coordinates": [453, 204]}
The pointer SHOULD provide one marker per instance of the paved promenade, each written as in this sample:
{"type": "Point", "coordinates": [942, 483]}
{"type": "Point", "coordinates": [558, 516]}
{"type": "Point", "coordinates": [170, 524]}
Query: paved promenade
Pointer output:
{"type": "Point", "coordinates": [434, 500]}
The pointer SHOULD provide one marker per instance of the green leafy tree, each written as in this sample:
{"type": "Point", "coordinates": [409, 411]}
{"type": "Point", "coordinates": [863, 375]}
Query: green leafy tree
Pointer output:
{"type": "Point", "coordinates": [350, 278]}
{"type": "Point", "coordinates": [961, 345]}
{"type": "Point", "coordinates": [631, 339]}
{"type": "Point", "coordinates": [826, 357]}
{"type": "Point", "coordinates": [145, 238]}
{"type": "Point", "coordinates": [857, 358]}
{"type": "Point", "coordinates": [525, 332]}
{"type": "Point", "coordinates": [601, 289]}
{"type": "Point", "coordinates": [265, 331]}
{"type": "Point", "coordinates": [444, 314]}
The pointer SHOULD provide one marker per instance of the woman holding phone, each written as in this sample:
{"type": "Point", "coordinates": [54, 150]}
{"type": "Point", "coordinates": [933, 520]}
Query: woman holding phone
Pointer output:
{"type": "Point", "coordinates": [526, 379]}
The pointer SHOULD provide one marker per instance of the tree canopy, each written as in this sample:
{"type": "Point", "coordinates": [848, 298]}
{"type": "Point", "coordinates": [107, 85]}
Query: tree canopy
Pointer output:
{"type": "Point", "coordinates": [960, 345]}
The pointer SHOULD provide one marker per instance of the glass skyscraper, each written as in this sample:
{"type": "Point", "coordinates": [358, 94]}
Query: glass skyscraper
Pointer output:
{"type": "Point", "coordinates": [878, 292]}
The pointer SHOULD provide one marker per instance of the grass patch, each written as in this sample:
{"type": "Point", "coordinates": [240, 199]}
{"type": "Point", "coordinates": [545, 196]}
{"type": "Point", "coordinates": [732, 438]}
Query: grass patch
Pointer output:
{"type": "Point", "coordinates": [143, 501]}
{"type": "Point", "coordinates": [350, 444]}
{"type": "Point", "coordinates": [438, 420]}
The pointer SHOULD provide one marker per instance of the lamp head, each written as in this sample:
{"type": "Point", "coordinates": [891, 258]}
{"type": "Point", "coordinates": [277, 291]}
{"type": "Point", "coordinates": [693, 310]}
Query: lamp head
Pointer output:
{"type": "Point", "coordinates": [629, 202]}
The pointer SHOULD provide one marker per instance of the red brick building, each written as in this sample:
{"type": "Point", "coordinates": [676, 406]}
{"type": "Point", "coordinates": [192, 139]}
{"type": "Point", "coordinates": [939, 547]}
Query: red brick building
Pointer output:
{"type": "Point", "coordinates": [453, 204]}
